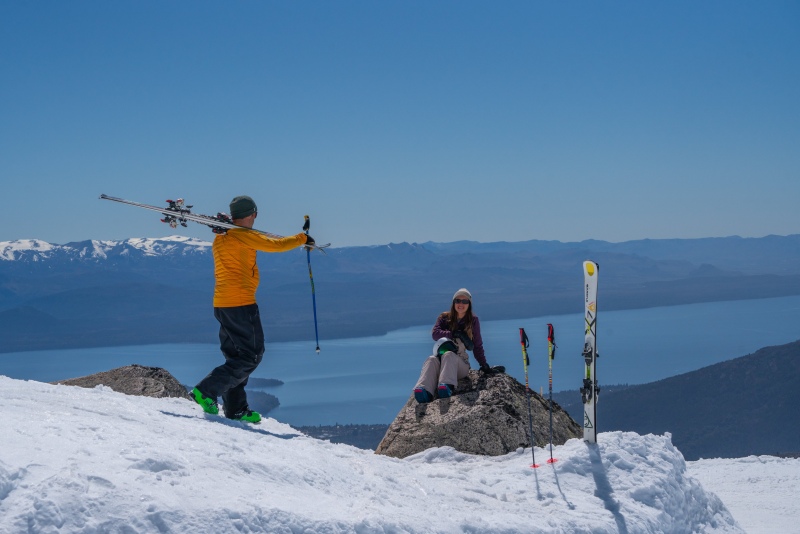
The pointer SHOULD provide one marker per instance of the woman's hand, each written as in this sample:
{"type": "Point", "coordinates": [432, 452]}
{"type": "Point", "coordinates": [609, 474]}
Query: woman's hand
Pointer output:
{"type": "Point", "coordinates": [485, 369]}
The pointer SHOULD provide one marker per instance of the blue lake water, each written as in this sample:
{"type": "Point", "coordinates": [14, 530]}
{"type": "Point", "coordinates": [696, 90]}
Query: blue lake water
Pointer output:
{"type": "Point", "coordinates": [367, 380]}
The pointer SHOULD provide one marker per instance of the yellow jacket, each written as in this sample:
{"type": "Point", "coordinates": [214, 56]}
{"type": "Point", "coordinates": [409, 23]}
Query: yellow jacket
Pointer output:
{"type": "Point", "coordinates": [235, 268]}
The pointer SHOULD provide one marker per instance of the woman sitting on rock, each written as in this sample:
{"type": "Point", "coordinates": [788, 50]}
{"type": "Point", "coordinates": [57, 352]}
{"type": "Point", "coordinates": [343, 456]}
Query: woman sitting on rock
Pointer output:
{"type": "Point", "coordinates": [455, 332]}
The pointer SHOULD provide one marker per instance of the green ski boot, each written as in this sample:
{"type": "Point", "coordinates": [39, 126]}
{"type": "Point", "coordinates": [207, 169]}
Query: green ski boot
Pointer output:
{"type": "Point", "coordinates": [208, 404]}
{"type": "Point", "coordinates": [248, 416]}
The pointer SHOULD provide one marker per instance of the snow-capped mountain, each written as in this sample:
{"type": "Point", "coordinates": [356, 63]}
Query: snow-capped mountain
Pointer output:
{"type": "Point", "coordinates": [35, 250]}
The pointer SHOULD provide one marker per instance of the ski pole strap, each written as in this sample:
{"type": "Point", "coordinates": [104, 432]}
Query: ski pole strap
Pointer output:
{"type": "Point", "coordinates": [523, 338]}
{"type": "Point", "coordinates": [551, 334]}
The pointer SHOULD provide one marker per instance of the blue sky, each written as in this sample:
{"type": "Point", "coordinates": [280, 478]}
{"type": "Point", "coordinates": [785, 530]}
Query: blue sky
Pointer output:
{"type": "Point", "coordinates": [403, 121]}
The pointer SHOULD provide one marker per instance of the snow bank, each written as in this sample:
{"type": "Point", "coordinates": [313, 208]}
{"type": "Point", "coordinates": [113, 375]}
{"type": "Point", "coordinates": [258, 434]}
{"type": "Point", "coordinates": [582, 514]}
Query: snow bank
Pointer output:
{"type": "Point", "coordinates": [79, 460]}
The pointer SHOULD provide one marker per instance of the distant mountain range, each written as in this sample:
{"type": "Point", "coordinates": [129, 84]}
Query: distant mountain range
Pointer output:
{"type": "Point", "coordinates": [101, 293]}
{"type": "Point", "coordinates": [731, 409]}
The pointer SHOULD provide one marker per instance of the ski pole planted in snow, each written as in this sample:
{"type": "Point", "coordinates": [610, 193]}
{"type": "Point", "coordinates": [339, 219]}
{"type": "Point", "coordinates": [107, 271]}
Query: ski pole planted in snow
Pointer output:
{"type": "Point", "coordinates": [523, 340]}
{"type": "Point", "coordinates": [551, 353]}
{"type": "Point", "coordinates": [306, 226]}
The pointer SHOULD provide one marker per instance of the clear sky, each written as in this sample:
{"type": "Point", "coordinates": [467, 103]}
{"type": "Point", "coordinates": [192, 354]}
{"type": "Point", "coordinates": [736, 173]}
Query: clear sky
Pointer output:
{"type": "Point", "coordinates": [403, 121]}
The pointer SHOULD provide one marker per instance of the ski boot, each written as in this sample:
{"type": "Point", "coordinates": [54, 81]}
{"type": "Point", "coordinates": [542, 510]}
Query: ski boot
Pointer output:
{"type": "Point", "coordinates": [247, 415]}
{"type": "Point", "coordinates": [445, 390]}
{"type": "Point", "coordinates": [208, 404]}
{"type": "Point", "coordinates": [422, 395]}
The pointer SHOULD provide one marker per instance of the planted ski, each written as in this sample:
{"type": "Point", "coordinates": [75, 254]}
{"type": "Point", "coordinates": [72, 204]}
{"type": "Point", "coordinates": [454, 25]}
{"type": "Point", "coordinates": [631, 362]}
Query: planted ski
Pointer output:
{"type": "Point", "coordinates": [590, 390]}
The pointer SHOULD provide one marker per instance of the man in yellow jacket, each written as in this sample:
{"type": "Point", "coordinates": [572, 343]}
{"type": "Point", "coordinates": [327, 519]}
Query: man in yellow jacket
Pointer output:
{"type": "Point", "coordinates": [240, 334]}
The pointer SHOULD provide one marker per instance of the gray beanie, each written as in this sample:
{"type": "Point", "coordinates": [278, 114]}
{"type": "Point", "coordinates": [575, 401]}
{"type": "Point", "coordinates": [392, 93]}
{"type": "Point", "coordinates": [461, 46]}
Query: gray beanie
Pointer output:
{"type": "Point", "coordinates": [242, 207]}
{"type": "Point", "coordinates": [462, 292]}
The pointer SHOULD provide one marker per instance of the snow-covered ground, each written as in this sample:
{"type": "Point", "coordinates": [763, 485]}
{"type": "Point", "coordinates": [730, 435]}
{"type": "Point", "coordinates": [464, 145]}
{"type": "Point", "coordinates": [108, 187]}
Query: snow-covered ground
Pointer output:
{"type": "Point", "coordinates": [92, 460]}
{"type": "Point", "coordinates": [761, 492]}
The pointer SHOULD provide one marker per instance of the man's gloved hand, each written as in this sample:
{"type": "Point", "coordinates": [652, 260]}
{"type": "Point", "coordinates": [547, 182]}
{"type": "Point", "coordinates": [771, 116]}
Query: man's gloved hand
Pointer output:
{"type": "Point", "coordinates": [468, 344]}
{"type": "Point", "coordinates": [309, 240]}
{"type": "Point", "coordinates": [485, 369]}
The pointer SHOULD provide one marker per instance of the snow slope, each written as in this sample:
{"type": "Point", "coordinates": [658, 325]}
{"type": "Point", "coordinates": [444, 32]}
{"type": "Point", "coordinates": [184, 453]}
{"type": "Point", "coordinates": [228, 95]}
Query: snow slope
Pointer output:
{"type": "Point", "coordinates": [760, 491]}
{"type": "Point", "coordinates": [80, 460]}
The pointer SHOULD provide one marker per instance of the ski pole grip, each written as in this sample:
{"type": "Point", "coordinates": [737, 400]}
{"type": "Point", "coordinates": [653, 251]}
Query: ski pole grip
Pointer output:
{"type": "Point", "coordinates": [306, 224]}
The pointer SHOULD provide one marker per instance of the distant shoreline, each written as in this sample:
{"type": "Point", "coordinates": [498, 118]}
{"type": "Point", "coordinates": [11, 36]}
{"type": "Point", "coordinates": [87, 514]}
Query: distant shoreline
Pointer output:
{"type": "Point", "coordinates": [378, 332]}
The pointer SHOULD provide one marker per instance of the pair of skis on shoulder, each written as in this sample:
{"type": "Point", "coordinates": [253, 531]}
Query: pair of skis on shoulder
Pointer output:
{"type": "Point", "coordinates": [178, 213]}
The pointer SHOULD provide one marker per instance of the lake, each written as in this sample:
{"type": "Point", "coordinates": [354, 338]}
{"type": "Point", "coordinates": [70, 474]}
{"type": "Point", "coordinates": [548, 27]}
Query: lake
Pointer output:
{"type": "Point", "coordinates": [367, 380]}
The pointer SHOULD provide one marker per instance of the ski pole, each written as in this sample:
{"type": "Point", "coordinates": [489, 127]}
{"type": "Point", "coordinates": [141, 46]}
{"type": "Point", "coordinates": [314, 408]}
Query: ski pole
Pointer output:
{"type": "Point", "coordinates": [551, 353]}
{"type": "Point", "coordinates": [306, 226]}
{"type": "Point", "coordinates": [523, 340]}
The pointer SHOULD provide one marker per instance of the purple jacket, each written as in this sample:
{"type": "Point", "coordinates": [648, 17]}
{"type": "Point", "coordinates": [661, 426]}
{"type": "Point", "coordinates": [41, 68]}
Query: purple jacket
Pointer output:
{"type": "Point", "coordinates": [442, 329]}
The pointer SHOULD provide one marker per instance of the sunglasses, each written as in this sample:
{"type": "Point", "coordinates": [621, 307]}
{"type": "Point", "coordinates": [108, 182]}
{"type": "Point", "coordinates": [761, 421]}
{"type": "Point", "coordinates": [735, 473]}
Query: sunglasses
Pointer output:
{"type": "Point", "coordinates": [461, 301]}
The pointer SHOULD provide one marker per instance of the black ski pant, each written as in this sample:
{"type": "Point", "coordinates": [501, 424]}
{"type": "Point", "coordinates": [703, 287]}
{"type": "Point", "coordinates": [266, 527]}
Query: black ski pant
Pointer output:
{"type": "Point", "coordinates": [241, 339]}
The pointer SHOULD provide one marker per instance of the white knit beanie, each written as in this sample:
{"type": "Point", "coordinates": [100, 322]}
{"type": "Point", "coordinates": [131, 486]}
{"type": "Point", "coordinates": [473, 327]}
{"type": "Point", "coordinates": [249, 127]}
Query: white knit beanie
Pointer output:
{"type": "Point", "coordinates": [462, 292]}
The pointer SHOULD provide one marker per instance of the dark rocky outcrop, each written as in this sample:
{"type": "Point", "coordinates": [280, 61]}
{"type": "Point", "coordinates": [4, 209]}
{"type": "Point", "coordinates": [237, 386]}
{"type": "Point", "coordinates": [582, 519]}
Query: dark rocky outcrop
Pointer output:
{"type": "Point", "coordinates": [134, 380]}
{"type": "Point", "coordinates": [486, 416]}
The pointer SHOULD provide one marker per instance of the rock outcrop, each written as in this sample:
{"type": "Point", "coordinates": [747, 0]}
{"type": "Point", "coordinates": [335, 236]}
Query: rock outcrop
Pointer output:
{"type": "Point", "coordinates": [488, 415]}
{"type": "Point", "coordinates": [134, 380]}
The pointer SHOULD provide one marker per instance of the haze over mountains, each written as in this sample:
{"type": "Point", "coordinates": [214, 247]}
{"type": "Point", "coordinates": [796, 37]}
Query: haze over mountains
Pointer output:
{"type": "Point", "coordinates": [102, 293]}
